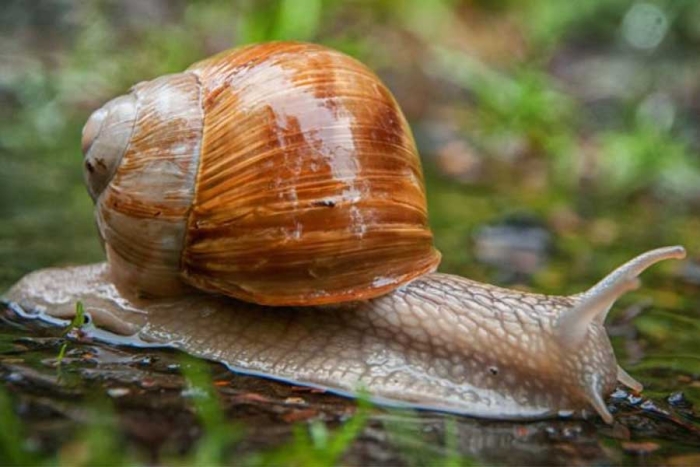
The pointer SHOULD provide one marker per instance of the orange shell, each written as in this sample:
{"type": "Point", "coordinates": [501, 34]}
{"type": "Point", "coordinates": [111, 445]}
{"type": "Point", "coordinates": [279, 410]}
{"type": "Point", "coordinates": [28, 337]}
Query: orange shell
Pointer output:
{"type": "Point", "coordinates": [308, 189]}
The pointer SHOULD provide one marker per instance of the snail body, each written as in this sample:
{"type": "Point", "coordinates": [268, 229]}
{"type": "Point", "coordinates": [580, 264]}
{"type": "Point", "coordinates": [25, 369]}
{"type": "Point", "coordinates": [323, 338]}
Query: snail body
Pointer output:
{"type": "Point", "coordinates": [441, 342]}
{"type": "Point", "coordinates": [285, 174]}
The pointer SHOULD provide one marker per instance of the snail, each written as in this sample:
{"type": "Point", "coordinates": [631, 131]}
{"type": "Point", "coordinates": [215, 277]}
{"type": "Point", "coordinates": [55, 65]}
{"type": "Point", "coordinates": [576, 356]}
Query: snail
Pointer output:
{"type": "Point", "coordinates": [265, 208]}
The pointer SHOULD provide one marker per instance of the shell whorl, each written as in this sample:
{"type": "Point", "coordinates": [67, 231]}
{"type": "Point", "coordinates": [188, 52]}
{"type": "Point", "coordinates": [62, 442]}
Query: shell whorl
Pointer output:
{"type": "Point", "coordinates": [142, 212]}
{"type": "Point", "coordinates": [105, 139]}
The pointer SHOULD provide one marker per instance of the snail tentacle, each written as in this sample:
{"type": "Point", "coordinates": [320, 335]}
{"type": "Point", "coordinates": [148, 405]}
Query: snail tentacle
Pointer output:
{"type": "Point", "coordinates": [596, 400]}
{"type": "Point", "coordinates": [595, 303]}
{"type": "Point", "coordinates": [627, 380]}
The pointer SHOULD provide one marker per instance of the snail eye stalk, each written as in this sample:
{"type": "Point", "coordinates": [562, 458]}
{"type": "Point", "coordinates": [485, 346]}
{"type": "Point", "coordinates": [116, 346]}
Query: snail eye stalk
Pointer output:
{"type": "Point", "coordinates": [595, 303]}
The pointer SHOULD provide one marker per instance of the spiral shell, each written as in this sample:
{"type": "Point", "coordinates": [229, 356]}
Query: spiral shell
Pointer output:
{"type": "Point", "coordinates": [281, 173]}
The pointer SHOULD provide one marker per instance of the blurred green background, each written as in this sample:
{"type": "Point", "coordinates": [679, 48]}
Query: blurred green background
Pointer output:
{"type": "Point", "coordinates": [576, 122]}
{"type": "Point", "coordinates": [558, 138]}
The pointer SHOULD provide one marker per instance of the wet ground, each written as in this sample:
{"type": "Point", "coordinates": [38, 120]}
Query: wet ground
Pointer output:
{"type": "Point", "coordinates": [139, 407]}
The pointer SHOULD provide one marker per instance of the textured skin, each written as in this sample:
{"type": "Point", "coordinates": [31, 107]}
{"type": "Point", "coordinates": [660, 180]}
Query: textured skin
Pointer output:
{"type": "Point", "coordinates": [440, 342]}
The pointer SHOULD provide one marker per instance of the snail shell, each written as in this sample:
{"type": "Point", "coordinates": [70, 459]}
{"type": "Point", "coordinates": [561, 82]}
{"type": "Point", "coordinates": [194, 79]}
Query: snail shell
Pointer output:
{"type": "Point", "coordinates": [281, 173]}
